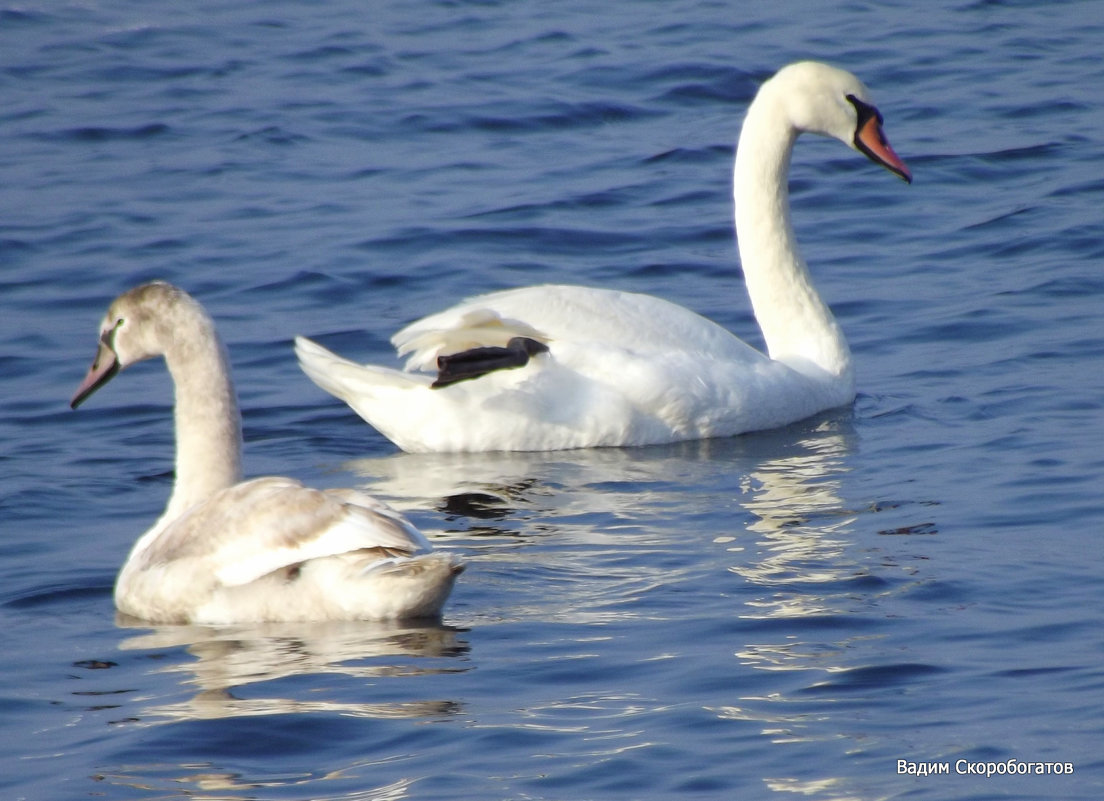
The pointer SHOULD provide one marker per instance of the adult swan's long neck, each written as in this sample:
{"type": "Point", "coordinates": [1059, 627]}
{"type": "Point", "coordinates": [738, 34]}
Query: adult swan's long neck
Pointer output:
{"type": "Point", "coordinates": [797, 325]}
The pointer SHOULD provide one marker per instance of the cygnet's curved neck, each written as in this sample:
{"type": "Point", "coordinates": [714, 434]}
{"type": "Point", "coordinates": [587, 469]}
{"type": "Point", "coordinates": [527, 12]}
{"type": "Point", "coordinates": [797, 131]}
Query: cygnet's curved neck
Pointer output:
{"type": "Point", "coordinates": [797, 325]}
{"type": "Point", "coordinates": [208, 424]}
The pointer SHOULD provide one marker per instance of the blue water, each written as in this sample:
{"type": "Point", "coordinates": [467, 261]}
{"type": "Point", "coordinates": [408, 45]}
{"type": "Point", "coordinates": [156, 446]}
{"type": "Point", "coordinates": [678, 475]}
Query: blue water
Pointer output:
{"type": "Point", "coordinates": [782, 615]}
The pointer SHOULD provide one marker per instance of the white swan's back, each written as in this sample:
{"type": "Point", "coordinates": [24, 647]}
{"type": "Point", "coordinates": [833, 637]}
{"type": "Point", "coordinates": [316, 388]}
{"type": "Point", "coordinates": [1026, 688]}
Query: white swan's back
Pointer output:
{"type": "Point", "coordinates": [639, 324]}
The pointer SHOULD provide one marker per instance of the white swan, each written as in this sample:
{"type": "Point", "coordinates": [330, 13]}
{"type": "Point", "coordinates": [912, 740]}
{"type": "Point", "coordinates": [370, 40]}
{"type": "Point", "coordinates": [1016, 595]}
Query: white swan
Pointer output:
{"type": "Point", "coordinates": [596, 367]}
{"type": "Point", "coordinates": [269, 549]}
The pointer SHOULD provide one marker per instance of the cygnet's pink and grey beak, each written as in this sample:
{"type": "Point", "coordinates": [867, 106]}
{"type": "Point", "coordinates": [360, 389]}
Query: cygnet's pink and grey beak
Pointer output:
{"type": "Point", "coordinates": [103, 369]}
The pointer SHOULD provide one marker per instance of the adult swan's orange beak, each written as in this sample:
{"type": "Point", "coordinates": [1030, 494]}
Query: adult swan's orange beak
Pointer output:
{"type": "Point", "coordinates": [871, 140]}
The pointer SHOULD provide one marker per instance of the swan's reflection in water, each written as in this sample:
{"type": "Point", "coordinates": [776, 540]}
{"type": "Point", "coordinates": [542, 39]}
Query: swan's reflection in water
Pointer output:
{"type": "Point", "coordinates": [312, 675]}
{"type": "Point", "coordinates": [799, 570]}
{"type": "Point", "coordinates": [805, 532]}
{"type": "Point", "coordinates": [228, 658]}
{"type": "Point", "coordinates": [513, 487]}
{"type": "Point", "coordinates": [579, 537]}
{"type": "Point", "coordinates": [816, 586]}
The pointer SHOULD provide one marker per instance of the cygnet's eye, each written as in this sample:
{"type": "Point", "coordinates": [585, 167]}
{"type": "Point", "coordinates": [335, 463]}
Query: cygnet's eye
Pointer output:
{"type": "Point", "coordinates": [108, 336]}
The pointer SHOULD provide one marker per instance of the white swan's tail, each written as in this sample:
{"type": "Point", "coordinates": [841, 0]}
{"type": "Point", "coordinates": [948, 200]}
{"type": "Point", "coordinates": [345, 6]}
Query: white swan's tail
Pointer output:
{"type": "Point", "coordinates": [402, 406]}
{"type": "Point", "coordinates": [348, 380]}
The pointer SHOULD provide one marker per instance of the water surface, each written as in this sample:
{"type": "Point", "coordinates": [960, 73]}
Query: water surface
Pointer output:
{"type": "Point", "coordinates": [785, 614]}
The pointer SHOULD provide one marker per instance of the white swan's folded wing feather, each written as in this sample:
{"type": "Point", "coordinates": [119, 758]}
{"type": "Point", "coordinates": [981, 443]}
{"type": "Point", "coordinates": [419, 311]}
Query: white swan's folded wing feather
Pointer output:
{"type": "Point", "coordinates": [456, 331]}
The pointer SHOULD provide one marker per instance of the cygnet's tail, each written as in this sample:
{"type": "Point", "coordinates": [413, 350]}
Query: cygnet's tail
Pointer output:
{"type": "Point", "coordinates": [413, 586]}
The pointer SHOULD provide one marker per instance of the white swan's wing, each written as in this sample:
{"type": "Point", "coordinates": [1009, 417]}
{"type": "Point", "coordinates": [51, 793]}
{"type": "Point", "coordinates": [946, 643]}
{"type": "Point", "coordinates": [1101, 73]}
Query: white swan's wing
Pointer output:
{"type": "Point", "coordinates": [263, 525]}
{"type": "Point", "coordinates": [640, 324]}
{"type": "Point", "coordinates": [460, 329]}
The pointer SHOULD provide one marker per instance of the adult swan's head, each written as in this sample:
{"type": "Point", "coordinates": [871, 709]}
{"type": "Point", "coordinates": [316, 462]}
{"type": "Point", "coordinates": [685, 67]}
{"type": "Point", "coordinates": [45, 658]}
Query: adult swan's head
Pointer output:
{"type": "Point", "coordinates": [817, 98]}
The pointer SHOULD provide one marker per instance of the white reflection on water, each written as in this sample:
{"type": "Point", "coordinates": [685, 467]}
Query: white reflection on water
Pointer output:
{"type": "Point", "coordinates": [230, 657]}
{"type": "Point", "coordinates": [772, 506]}
{"type": "Point", "coordinates": [805, 532]}
{"type": "Point", "coordinates": [208, 785]}
{"type": "Point", "coordinates": [811, 578]}
{"type": "Point", "coordinates": [591, 511]}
